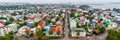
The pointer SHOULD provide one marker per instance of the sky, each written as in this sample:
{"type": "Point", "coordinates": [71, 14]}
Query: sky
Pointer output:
{"type": "Point", "coordinates": [62, 1]}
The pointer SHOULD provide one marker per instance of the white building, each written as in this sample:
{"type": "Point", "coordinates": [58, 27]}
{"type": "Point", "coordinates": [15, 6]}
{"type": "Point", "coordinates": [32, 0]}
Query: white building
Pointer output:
{"type": "Point", "coordinates": [82, 32]}
{"type": "Point", "coordinates": [72, 24]}
{"type": "Point", "coordinates": [7, 29]}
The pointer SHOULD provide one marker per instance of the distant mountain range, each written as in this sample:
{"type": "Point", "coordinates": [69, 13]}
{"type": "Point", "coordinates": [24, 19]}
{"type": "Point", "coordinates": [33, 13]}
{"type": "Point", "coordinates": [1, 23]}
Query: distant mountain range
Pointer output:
{"type": "Point", "coordinates": [24, 3]}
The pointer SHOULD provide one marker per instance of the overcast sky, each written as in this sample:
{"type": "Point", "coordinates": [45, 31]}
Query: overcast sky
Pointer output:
{"type": "Point", "coordinates": [60, 1]}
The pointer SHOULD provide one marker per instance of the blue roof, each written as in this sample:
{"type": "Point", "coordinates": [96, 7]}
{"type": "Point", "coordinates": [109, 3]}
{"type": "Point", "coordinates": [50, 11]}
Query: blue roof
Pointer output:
{"type": "Point", "coordinates": [30, 24]}
{"type": "Point", "coordinates": [49, 24]}
{"type": "Point", "coordinates": [92, 22]}
{"type": "Point", "coordinates": [47, 31]}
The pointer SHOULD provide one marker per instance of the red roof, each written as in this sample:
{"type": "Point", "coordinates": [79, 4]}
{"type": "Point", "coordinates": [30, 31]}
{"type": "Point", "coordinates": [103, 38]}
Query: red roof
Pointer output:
{"type": "Point", "coordinates": [59, 28]}
{"type": "Point", "coordinates": [53, 29]}
{"type": "Point", "coordinates": [40, 16]}
{"type": "Point", "coordinates": [3, 23]}
{"type": "Point", "coordinates": [40, 24]}
{"type": "Point", "coordinates": [28, 29]}
{"type": "Point", "coordinates": [100, 23]}
{"type": "Point", "coordinates": [82, 21]}
{"type": "Point", "coordinates": [32, 18]}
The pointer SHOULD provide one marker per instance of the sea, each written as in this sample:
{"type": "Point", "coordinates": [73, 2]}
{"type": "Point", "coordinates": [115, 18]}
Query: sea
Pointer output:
{"type": "Point", "coordinates": [105, 5]}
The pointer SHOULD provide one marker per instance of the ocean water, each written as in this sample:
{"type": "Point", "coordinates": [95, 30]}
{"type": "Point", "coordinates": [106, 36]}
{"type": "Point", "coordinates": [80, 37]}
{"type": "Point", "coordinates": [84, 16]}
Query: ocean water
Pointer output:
{"type": "Point", "coordinates": [106, 6]}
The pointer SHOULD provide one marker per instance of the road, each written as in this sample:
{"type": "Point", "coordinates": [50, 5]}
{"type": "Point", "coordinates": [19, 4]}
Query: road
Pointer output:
{"type": "Point", "coordinates": [66, 30]}
{"type": "Point", "coordinates": [66, 33]}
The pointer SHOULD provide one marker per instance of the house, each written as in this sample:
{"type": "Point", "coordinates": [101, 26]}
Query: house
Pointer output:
{"type": "Point", "coordinates": [78, 32]}
{"type": "Point", "coordinates": [30, 23]}
{"type": "Point", "coordinates": [53, 28]}
{"type": "Point", "coordinates": [82, 20]}
{"type": "Point", "coordinates": [21, 31]}
{"type": "Point", "coordinates": [1, 32]}
{"type": "Point", "coordinates": [40, 25]}
{"type": "Point", "coordinates": [13, 27]}
{"type": "Point", "coordinates": [48, 26]}
{"type": "Point", "coordinates": [108, 23]}
{"type": "Point", "coordinates": [92, 22]}
{"type": "Point", "coordinates": [2, 23]}
{"type": "Point", "coordinates": [72, 24]}
{"type": "Point", "coordinates": [101, 22]}
{"type": "Point", "coordinates": [117, 15]}
{"type": "Point", "coordinates": [59, 28]}
{"type": "Point", "coordinates": [7, 29]}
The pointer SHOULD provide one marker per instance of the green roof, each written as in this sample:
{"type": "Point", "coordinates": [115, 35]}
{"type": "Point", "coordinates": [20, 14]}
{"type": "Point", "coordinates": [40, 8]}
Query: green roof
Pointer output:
{"type": "Point", "coordinates": [107, 22]}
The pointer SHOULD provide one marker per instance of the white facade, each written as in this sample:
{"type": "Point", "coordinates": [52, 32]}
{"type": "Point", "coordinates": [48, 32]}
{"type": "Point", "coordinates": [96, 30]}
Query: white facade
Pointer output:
{"type": "Point", "coordinates": [7, 29]}
{"type": "Point", "coordinates": [72, 24]}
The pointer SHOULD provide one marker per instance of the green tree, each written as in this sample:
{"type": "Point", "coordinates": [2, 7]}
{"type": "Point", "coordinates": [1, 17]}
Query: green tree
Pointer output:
{"type": "Point", "coordinates": [78, 26]}
{"type": "Point", "coordinates": [72, 14]}
{"type": "Point", "coordinates": [8, 36]}
{"type": "Point", "coordinates": [27, 33]}
{"type": "Point", "coordinates": [40, 35]}
{"type": "Point", "coordinates": [8, 22]}
{"type": "Point", "coordinates": [50, 32]}
{"type": "Point", "coordinates": [113, 34]}
{"type": "Point", "coordinates": [3, 18]}
{"type": "Point", "coordinates": [58, 32]}
{"type": "Point", "coordinates": [11, 19]}
{"type": "Point", "coordinates": [25, 18]}
{"type": "Point", "coordinates": [16, 38]}
{"type": "Point", "coordinates": [78, 33]}
{"type": "Point", "coordinates": [99, 30]}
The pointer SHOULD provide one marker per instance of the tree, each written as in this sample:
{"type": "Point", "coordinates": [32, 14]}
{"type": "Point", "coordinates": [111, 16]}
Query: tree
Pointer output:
{"type": "Point", "coordinates": [113, 34]}
{"type": "Point", "coordinates": [99, 30]}
{"type": "Point", "coordinates": [25, 18]}
{"type": "Point", "coordinates": [40, 35]}
{"type": "Point", "coordinates": [90, 18]}
{"type": "Point", "coordinates": [58, 32]}
{"type": "Point", "coordinates": [16, 38]}
{"type": "Point", "coordinates": [72, 14]}
{"type": "Point", "coordinates": [20, 24]}
{"type": "Point", "coordinates": [2, 37]}
{"type": "Point", "coordinates": [50, 32]}
{"type": "Point", "coordinates": [35, 25]}
{"type": "Point", "coordinates": [11, 19]}
{"type": "Point", "coordinates": [8, 36]}
{"type": "Point", "coordinates": [3, 18]}
{"type": "Point", "coordinates": [78, 26]}
{"type": "Point", "coordinates": [8, 22]}
{"type": "Point", "coordinates": [27, 33]}
{"type": "Point", "coordinates": [78, 33]}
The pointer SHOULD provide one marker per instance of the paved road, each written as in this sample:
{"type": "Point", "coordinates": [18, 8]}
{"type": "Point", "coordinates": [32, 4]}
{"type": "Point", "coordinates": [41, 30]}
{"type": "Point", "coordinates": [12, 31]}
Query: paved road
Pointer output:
{"type": "Point", "coordinates": [66, 30]}
{"type": "Point", "coordinates": [118, 25]}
